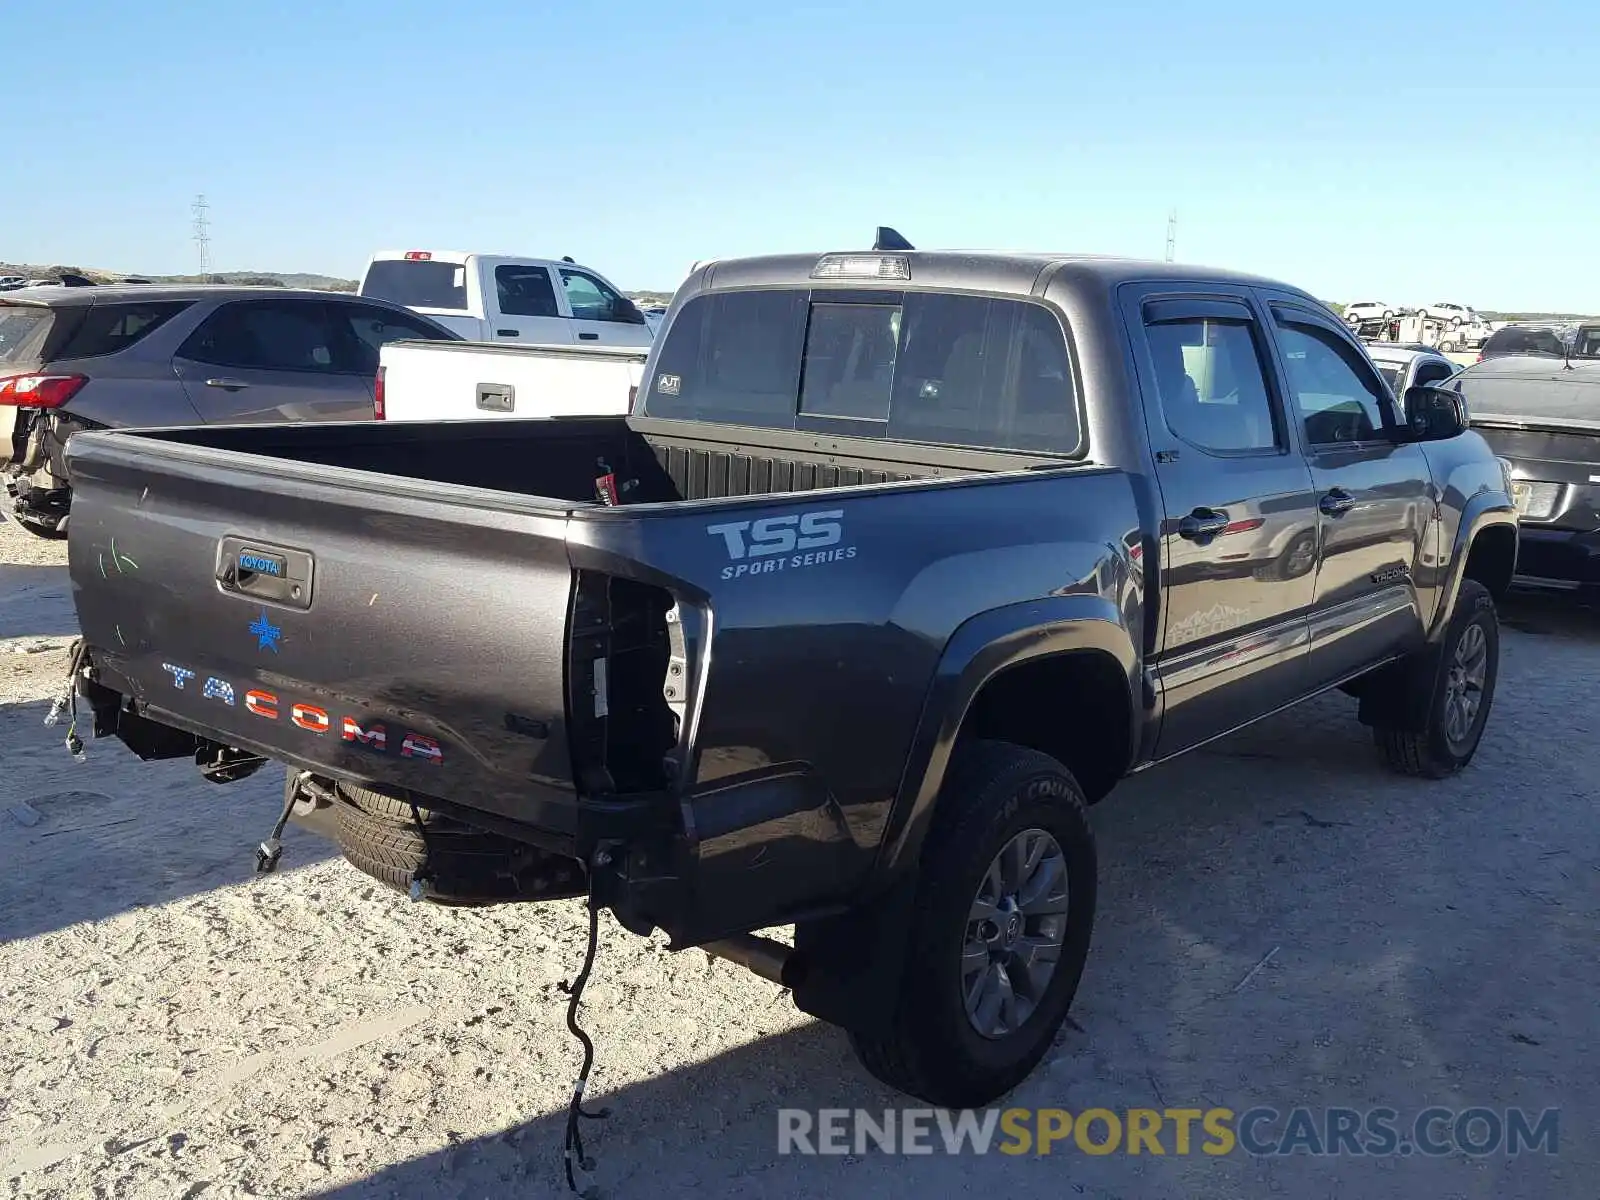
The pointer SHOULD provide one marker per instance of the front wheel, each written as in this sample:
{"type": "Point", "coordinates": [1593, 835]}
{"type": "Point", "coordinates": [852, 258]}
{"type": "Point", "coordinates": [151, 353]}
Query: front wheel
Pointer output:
{"type": "Point", "coordinates": [997, 945]}
{"type": "Point", "coordinates": [1450, 691]}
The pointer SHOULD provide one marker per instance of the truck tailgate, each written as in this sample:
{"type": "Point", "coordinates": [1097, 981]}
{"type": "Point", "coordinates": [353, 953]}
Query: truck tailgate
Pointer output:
{"type": "Point", "coordinates": [364, 627]}
{"type": "Point", "coordinates": [455, 381]}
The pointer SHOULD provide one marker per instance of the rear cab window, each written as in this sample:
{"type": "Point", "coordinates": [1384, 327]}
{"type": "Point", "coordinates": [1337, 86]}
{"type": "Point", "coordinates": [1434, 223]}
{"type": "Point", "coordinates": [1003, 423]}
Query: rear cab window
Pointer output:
{"type": "Point", "coordinates": [930, 367]}
{"type": "Point", "coordinates": [417, 283]}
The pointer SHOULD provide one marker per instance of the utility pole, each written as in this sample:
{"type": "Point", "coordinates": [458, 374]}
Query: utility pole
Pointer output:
{"type": "Point", "coordinates": [1172, 235]}
{"type": "Point", "coordinates": [202, 236]}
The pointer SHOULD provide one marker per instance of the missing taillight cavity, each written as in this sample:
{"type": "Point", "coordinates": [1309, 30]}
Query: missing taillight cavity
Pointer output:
{"type": "Point", "coordinates": [39, 390]}
{"type": "Point", "coordinates": [625, 704]}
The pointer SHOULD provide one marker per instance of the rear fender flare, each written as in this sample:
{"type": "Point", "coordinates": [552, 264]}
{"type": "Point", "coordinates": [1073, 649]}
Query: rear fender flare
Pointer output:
{"type": "Point", "coordinates": [981, 648]}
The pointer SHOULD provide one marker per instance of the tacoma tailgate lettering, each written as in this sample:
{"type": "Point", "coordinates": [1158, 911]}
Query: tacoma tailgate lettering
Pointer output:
{"type": "Point", "coordinates": [313, 718]}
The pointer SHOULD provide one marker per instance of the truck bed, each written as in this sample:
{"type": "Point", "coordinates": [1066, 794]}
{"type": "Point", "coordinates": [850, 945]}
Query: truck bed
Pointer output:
{"type": "Point", "coordinates": [556, 459]}
{"type": "Point", "coordinates": [445, 608]}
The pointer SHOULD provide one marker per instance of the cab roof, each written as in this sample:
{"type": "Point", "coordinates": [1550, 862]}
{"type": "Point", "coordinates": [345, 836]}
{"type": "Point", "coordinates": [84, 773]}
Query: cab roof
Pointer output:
{"type": "Point", "coordinates": [969, 270]}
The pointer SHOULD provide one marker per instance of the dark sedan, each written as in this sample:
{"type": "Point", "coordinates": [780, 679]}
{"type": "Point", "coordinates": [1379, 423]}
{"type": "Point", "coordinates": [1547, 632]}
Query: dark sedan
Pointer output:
{"type": "Point", "coordinates": [76, 358]}
{"type": "Point", "coordinates": [1527, 340]}
{"type": "Point", "coordinates": [1544, 418]}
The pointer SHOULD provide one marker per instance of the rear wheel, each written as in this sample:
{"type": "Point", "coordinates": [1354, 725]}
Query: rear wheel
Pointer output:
{"type": "Point", "coordinates": [1000, 932]}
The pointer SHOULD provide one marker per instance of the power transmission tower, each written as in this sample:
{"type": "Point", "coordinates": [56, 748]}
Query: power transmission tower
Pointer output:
{"type": "Point", "coordinates": [1172, 234]}
{"type": "Point", "coordinates": [202, 236]}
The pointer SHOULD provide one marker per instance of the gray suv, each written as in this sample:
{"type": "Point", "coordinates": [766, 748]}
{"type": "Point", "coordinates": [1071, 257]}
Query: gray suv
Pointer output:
{"type": "Point", "coordinates": [117, 357]}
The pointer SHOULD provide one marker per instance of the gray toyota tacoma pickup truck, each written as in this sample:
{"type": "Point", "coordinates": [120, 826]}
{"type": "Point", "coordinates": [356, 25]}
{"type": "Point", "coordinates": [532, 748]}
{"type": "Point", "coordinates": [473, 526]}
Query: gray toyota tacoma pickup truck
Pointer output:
{"type": "Point", "coordinates": [901, 560]}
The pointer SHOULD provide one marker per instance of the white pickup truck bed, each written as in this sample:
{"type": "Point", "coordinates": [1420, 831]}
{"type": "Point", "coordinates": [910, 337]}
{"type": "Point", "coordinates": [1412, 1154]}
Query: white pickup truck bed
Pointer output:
{"type": "Point", "coordinates": [456, 381]}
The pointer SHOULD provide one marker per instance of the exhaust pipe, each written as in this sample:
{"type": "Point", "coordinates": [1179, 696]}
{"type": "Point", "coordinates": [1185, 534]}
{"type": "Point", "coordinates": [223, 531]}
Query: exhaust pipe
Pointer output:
{"type": "Point", "coordinates": [771, 960]}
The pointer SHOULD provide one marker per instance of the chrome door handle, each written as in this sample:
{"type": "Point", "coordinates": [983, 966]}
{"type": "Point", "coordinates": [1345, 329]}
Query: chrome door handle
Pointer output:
{"type": "Point", "coordinates": [231, 385]}
{"type": "Point", "coordinates": [1336, 503]}
{"type": "Point", "coordinates": [1202, 523]}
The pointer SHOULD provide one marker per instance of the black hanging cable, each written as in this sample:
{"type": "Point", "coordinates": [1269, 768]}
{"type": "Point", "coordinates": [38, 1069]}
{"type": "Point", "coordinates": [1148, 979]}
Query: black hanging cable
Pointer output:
{"type": "Point", "coordinates": [423, 874]}
{"type": "Point", "coordinates": [68, 699]}
{"type": "Point", "coordinates": [573, 1148]}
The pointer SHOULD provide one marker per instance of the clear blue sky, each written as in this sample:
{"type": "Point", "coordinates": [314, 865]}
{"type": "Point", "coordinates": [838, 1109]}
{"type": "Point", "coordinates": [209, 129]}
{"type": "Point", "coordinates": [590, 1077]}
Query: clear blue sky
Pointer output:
{"type": "Point", "coordinates": [1447, 151]}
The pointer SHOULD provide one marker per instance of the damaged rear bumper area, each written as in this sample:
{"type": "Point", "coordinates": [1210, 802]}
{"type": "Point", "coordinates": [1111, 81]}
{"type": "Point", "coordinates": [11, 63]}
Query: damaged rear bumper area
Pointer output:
{"type": "Point", "coordinates": [35, 474]}
{"type": "Point", "coordinates": [438, 848]}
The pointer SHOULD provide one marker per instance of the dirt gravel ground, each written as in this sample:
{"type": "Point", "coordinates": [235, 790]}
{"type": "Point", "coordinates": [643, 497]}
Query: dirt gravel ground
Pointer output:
{"type": "Point", "coordinates": [172, 1026]}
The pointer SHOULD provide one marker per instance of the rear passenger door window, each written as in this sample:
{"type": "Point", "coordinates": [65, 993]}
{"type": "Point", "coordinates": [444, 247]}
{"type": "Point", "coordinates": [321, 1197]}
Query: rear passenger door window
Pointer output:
{"type": "Point", "coordinates": [525, 292]}
{"type": "Point", "coordinates": [1340, 399]}
{"type": "Point", "coordinates": [276, 360]}
{"type": "Point", "coordinates": [1208, 369]}
{"type": "Point", "coordinates": [266, 335]}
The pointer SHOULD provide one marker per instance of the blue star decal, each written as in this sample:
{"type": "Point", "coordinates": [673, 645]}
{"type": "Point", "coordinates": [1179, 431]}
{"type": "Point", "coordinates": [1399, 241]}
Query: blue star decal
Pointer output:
{"type": "Point", "coordinates": [267, 634]}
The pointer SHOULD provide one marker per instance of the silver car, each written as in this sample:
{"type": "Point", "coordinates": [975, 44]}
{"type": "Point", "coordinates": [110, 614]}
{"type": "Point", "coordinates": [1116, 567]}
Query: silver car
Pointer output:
{"type": "Point", "coordinates": [140, 356]}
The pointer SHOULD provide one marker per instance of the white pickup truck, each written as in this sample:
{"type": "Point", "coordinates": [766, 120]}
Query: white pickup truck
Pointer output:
{"type": "Point", "coordinates": [498, 298]}
{"type": "Point", "coordinates": [484, 381]}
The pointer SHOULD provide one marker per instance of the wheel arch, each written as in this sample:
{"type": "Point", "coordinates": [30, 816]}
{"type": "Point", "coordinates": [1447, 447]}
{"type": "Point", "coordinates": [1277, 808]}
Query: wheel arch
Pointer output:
{"type": "Point", "coordinates": [1484, 548]}
{"type": "Point", "coordinates": [998, 672]}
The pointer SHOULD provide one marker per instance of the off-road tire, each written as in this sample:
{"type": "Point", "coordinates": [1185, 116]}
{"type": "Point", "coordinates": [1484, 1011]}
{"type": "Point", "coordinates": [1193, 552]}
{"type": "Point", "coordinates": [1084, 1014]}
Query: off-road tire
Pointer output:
{"type": "Point", "coordinates": [457, 863]}
{"type": "Point", "coordinates": [929, 1049]}
{"type": "Point", "coordinates": [1420, 745]}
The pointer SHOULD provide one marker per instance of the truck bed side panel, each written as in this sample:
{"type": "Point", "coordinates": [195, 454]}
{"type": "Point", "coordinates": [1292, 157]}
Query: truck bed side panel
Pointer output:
{"type": "Point", "coordinates": [830, 612]}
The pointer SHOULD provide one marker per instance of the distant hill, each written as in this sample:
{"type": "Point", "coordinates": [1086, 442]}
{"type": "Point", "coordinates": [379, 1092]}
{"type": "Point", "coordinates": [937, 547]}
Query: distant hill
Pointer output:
{"type": "Point", "coordinates": [293, 279]}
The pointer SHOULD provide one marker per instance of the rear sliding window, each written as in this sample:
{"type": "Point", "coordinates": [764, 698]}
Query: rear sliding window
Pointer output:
{"type": "Point", "coordinates": [923, 367]}
{"type": "Point", "coordinates": [417, 283]}
{"type": "Point", "coordinates": [22, 332]}
{"type": "Point", "coordinates": [108, 328]}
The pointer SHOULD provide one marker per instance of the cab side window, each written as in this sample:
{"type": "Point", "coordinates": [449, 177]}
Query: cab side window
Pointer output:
{"type": "Point", "coordinates": [525, 291]}
{"type": "Point", "coordinates": [1339, 399]}
{"type": "Point", "coordinates": [591, 300]}
{"type": "Point", "coordinates": [1213, 387]}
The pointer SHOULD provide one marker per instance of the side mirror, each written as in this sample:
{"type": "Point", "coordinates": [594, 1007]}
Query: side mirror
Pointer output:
{"type": "Point", "coordinates": [1434, 414]}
